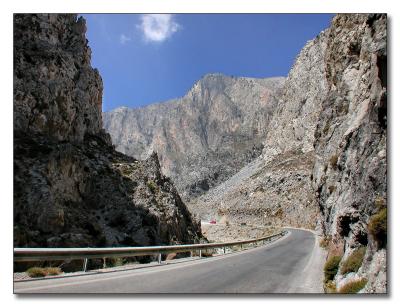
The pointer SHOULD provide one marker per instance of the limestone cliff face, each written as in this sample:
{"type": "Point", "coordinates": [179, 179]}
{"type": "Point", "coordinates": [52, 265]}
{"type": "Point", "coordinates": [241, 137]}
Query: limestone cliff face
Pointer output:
{"type": "Point", "coordinates": [56, 92]}
{"type": "Point", "coordinates": [350, 140]}
{"type": "Point", "coordinates": [338, 85]}
{"type": "Point", "coordinates": [205, 136]}
{"type": "Point", "coordinates": [324, 164]}
{"type": "Point", "coordinates": [71, 188]}
{"type": "Point", "coordinates": [276, 188]}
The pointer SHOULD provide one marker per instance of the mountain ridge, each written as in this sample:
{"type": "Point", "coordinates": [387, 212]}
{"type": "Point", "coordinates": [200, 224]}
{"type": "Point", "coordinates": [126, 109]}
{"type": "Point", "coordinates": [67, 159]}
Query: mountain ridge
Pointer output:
{"type": "Point", "coordinates": [218, 111]}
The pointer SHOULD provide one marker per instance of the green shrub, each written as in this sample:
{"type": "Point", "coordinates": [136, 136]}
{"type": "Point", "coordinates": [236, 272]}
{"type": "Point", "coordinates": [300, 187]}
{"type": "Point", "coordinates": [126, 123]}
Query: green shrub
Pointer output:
{"type": "Point", "coordinates": [36, 272]}
{"type": "Point", "coordinates": [377, 227]}
{"type": "Point", "coordinates": [354, 261]}
{"type": "Point", "coordinates": [353, 286]}
{"type": "Point", "coordinates": [331, 267]}
{"type": "Point", "coordinates": [152, 186]}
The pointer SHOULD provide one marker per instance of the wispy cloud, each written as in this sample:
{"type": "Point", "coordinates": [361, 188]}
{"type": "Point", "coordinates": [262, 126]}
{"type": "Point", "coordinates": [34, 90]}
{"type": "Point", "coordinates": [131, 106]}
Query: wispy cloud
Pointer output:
{"type": "Point", "coordinates": [123, 39]}
{"type": "Point", "coordinates": [158, 27]}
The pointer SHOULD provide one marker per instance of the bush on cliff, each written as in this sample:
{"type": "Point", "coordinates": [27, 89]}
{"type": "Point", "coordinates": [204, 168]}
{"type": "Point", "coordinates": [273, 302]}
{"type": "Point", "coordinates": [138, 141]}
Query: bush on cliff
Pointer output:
{"type": "Point", "coordinates": [354, 261]}
{"type": "Point", "coordinates": [331, 267]}
{"type": "Point", "coordinates": [377, 227]}
{"type": "Point", "coordinates": [353, 286]}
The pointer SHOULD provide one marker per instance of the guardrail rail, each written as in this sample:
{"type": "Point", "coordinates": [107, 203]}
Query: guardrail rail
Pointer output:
{"type": "Point", "coordinates": [67, 254]}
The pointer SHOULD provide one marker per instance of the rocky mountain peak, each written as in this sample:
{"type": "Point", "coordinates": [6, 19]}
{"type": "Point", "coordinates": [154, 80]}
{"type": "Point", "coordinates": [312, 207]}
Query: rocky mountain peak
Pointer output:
{"type": "Point", "coordinates": [203, 137]}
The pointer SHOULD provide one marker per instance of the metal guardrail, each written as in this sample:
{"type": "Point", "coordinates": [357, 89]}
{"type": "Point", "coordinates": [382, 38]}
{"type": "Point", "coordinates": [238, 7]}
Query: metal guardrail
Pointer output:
{"type": "Point", "coordinates": [43, 254]}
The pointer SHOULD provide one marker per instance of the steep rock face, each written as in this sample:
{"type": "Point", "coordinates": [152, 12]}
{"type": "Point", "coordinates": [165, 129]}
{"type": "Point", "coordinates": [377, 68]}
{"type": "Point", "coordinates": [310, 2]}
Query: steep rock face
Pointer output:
{"type": "Point", "coordinates": [277, 193]}
{"type": "Point", "coordinates": [56, 92]}
{"type": "Point", "coordinates": [340, 78]}
{"type": "Point", "coordinates": [71, 188]}
{"type": "Point", "coordinates": [324, 161]}
{"type": "Point", "coordinates": [350, 140]}
{"type": "Point", "coordinates": [205, 136]}
{"type": "Point", "coordinates": [276, 189]}
{"type": "Point", "coordinates": [295, 119]}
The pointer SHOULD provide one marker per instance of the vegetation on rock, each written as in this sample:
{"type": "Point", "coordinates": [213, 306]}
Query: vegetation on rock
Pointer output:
{"type": "Point", "coordinates": [377, 227]}
{"type": "Point", "coordinates": [42, 272]}
{"type": "Point", "coordinates": [331, 267]}
{"type": "Point", "coordinates": [353, 287]}
{"type": "Point", "coordinates": [354, 261]}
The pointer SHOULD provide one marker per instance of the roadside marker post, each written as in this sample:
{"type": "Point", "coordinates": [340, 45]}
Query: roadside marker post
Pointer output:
{"type": "Point", "coordinates": [85, 264]}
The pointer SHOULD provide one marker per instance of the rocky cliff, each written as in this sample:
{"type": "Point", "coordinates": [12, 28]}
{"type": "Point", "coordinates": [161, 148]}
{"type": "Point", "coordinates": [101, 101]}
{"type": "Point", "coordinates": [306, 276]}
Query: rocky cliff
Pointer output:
{"type": "Point", "coordinates": [204, 137]}
{"type": "Point", "coordinates": [276, 188]}
{"type": "Point", "coordinates": [324, 162]}
{"type": "Point", "coordinates": [349, 175]}
{"type": "Point", "coordinates": [71, 188]}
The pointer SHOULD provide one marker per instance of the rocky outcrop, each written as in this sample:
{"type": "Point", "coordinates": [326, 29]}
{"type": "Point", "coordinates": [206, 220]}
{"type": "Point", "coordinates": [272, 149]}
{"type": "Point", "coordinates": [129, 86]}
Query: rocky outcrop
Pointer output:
{"type": "Point", "coordinates": [324, 162]}
{"type": "Point", "coordinates": [350, 140]}
{"type": "Point", "coordinates": [278, 193]}
{"type": "Point", "coordinates": [71, 188]}
{"type": "Point", "coordinates": [56, 92]}
{"type": "Point", "coordinates": [204, 137]}
{"type": "Point", "coordinates": [276, 189]}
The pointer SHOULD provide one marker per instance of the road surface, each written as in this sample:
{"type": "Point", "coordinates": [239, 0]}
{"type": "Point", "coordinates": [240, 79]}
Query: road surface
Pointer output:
{"type": "Point", "coordinates": [292, 264]}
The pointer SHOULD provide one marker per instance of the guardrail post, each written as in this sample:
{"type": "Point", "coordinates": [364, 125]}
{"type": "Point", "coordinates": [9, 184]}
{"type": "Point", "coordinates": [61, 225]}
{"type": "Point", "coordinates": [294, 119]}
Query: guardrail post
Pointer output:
{"type": "Point", "coordinates": [85, 264]}
{"type": "Point", "coordinates": [159, 258]}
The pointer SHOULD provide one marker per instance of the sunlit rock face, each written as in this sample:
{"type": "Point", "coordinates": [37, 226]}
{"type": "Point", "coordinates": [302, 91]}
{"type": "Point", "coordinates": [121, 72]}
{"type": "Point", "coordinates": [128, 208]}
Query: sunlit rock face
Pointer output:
{"type": "Point", "coordinates": [350, 140]}
{"type": "Point", "coordinates": [204, 137]}
{"type": "Point", "coordinates": [71, 188]}
{"type": "Point", "coordinates": [324, 163]}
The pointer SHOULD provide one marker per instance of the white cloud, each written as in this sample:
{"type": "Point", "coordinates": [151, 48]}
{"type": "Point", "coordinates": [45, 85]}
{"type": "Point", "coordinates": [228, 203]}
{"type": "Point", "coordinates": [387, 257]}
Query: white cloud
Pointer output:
{"type": "Point", "coordinates": [123, 39]}
{"type": "Point", "coordinates": [158, 27]}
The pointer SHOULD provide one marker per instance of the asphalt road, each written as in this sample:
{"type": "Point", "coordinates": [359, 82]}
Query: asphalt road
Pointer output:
{"type": "Point", "coordinates": [290, 265]}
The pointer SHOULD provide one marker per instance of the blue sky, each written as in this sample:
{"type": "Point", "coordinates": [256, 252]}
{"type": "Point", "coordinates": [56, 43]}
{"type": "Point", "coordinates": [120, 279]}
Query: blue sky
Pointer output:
{"type": "Point", "coordinates": [150, 58]}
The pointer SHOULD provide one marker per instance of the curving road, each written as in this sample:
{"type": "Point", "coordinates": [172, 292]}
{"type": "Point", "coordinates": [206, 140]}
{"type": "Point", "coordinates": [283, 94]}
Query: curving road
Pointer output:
{"type": "Point", "coordinates": [292, 264]}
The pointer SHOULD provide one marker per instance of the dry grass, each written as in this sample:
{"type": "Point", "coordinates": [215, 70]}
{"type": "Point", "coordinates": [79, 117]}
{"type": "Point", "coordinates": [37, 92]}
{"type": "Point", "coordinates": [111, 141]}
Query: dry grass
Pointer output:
{"type": "Point", "coordinates": [332, 189]}
{"type": "Point", "coordinates": [330, 287]}
{"type": "Point", "coordinates": [354, 261]}
{"type": "Point", "coordinates": [42, 272]}
{"type": "Point", "coordinates": [353, 287]}
{"type": "Point", "coordinates": [171, 256]}
{"type": "Point", "coordinates": [53, 271]}
{"type": "Point", "coordinates": [333, 161]}
{"type": "Point", "coordinates": [331, 267]}
{"type": "Point", "coordinates": [377, 227]}
{"type": "Point", "coordinates": [324, 242]}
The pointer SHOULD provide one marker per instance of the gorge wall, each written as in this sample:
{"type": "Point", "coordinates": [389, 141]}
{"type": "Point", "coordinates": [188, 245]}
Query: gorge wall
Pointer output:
{"type": "Point", "coordinates": [350, 172]}
{"type": "Point", "coordinates": [71, 188]}
{"type": "Point", "coordinates": [204, 137]}
{"type": "Point", "coordinates": [324, 164]}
